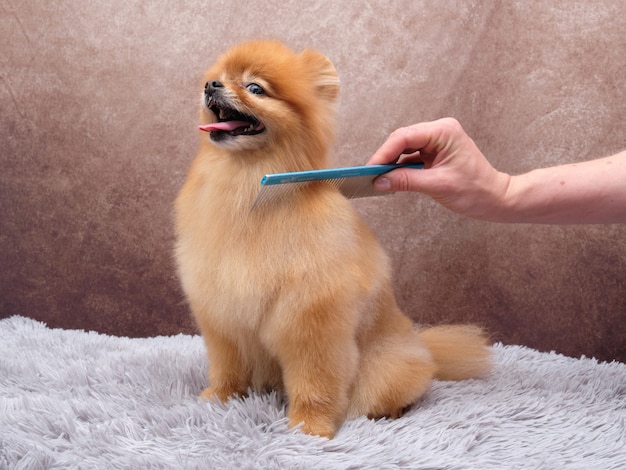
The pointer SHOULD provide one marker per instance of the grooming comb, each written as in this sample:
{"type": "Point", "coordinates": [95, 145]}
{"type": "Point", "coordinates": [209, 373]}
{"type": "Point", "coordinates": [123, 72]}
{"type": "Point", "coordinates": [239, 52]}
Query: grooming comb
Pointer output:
{"type": "Point", "coordinates": [353, 182]}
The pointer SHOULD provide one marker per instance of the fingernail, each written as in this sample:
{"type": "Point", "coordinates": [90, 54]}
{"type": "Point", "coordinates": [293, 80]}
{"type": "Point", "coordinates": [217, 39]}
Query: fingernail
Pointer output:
{"type": "Point", "coordinates": [382, 184]}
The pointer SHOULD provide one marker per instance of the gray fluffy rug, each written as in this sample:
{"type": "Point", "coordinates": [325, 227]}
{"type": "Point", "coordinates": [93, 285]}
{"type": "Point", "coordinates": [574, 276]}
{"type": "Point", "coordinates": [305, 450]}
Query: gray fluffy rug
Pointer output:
{"type": "Point", "coordinates": [72, 399]}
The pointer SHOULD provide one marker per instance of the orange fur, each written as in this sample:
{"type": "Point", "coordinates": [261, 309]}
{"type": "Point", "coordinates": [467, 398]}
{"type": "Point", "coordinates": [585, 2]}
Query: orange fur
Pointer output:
{"type": "Point", "coordinates": [297, 295]}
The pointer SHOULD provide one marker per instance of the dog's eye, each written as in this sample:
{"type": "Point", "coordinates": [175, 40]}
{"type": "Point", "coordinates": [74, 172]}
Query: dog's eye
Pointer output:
{"type": "Point", "coordinates": [255, 89]}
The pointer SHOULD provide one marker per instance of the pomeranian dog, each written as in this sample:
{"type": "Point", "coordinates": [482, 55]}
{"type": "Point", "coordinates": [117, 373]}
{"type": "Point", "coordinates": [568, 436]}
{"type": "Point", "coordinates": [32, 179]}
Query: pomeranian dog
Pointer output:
{"type": "Point", "coordinates": [296, 295]}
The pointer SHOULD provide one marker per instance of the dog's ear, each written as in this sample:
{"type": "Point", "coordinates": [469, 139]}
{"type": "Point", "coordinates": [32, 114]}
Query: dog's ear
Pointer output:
{"type": "Point", "coordinates": [324, 73]}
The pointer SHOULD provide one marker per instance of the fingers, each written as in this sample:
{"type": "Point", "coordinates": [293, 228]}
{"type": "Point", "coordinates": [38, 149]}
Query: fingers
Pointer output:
{"type": "Point", "coordinates": [427, 137]}
{"type": "Point", "coordinates": [400, 141]}
{"type": "Point", "coordinates": [429, 142]}
{"type": "Point", "coordinates": [403, 179]}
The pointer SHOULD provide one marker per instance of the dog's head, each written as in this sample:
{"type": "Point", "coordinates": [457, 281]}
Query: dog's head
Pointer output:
{"type": "Point", "coordinates": [261, 95]}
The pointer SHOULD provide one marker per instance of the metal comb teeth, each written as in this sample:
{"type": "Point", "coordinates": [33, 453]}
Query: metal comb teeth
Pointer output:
{"type": "Point", "coordinates": [275, 192]}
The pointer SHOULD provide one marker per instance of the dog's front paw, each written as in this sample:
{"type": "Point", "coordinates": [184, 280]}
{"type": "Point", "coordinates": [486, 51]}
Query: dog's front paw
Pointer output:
{"type": "Point", "coordinates": [318, 425]}
{"type": "Point", "coordinates": [215, 394]}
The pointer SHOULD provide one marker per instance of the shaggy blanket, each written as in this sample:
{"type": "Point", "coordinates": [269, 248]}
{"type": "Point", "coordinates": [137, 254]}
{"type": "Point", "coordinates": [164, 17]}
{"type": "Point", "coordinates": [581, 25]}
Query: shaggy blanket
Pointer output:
{"type": "Point", "coordinates": [73, 399]}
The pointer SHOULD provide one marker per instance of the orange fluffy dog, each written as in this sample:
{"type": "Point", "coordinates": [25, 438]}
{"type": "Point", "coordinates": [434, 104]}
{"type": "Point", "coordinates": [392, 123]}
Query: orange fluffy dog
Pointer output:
{"type": "Point", "coordinates": [296, 295]}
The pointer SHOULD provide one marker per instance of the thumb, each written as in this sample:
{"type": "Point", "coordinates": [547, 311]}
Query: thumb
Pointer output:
{"type": "Point", "coordinates": [404, 179]}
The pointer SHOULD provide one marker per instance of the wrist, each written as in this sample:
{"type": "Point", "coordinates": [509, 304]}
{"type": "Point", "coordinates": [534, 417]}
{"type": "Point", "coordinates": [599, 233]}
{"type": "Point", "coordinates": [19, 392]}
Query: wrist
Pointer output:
{"type": "Point", "coordinates": [510, 188]}
{"type": "Point", "coordinates": [524, 200]}
{"type": "Point", "coordinates": [500, 199]}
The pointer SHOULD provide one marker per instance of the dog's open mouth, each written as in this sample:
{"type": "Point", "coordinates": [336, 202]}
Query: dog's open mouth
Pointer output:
{"type": "Point", "coordinates": [231, 122]}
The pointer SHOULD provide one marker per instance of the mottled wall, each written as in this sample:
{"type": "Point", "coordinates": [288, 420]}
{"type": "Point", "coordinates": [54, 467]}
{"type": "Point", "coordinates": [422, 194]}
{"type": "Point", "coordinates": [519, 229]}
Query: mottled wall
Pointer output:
{"type": "Point", "coordinates": [98, 109]}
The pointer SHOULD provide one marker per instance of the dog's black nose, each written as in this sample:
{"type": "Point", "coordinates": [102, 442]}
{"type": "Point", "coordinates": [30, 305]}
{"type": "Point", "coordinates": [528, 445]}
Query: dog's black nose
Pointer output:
{"type": "Point", "coordinates": [210, 87]}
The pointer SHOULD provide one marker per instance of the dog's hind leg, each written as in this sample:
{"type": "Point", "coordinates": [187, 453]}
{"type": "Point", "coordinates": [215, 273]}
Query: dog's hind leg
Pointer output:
{"type": "Point", "coordinates": [394, 372]}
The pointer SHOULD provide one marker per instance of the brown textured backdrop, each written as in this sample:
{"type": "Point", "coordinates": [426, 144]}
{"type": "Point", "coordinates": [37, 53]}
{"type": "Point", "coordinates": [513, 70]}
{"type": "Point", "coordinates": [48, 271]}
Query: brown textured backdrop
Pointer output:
{"type": "Point", "coordinates": [99, 103]}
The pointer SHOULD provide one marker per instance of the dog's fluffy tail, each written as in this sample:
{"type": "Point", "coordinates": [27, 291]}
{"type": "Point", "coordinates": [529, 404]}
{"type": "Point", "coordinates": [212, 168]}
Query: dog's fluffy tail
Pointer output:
{"type": "Point", "coordinates": [460, 351]}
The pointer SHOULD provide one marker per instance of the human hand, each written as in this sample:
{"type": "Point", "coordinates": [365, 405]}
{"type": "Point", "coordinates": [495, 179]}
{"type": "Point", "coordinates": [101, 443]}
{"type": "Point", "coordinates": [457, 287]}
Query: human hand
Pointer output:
{"type": "Point", "coordinates": [456, 173]}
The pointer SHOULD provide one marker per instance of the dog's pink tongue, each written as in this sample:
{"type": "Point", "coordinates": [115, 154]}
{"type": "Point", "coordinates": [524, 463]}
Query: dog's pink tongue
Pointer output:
{"type": "Point", "coordinates": [223, 126]}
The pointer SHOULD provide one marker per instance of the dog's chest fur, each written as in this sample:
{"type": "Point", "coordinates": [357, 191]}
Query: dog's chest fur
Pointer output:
{"type": "Point", "coordinates": [236, 262]}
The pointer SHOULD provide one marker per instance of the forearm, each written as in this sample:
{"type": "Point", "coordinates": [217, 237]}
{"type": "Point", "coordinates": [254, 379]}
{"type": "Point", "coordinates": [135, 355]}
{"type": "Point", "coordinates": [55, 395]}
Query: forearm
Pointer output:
{"type": "Point", "coordinates": [588, 192]}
